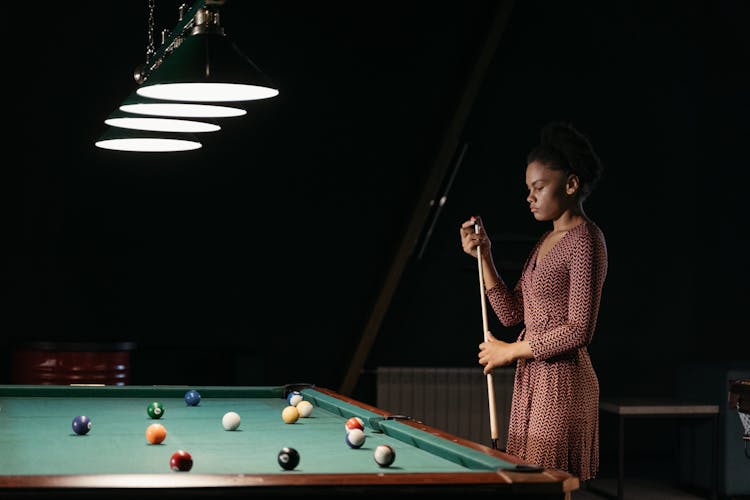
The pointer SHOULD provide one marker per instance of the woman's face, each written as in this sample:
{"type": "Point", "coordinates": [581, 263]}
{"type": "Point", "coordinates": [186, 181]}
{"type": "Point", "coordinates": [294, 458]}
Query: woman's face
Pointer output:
{"type": "Point", "coordinates": [550, 191]}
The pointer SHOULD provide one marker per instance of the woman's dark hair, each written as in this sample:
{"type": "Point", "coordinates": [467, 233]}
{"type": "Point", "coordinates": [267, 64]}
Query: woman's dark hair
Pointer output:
{"type": "Point", "coordinates": [562, 147]}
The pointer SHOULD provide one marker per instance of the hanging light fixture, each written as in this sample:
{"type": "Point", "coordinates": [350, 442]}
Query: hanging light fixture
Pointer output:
{"type": "Point", "coordinates": [196, 63]}
{"type": "Point", "coordinates": [204, 65]}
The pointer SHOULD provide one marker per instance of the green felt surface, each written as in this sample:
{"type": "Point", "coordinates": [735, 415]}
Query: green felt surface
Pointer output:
{"type": "Point", "coordinates": [36, 435]}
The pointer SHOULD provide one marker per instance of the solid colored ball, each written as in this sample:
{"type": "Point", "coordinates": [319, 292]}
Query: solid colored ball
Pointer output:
{"type": "Point", "coordinates": [294, 397]}
{"type": "Point", "coordinates": [384, 455]}
{"type": "Point", "coordinates": [156, 433]}
{"type": "Point", "coordinates": [192, 397]}
{"type": "Point", "coordinates": [290, 414]}
{"type": "Point", "coordinates": [354, 423]}
{"type": "Point", "coordinates": [155, 410]}
{"type": "Point", "coordinates": [355, 438]}
{"type": "Point", "coordinates": [230, 421]}
{"type": "Point", "coordinates": [288, 458]}
{"type": "Point", "coordinates": [304, 408]}
{"type": "Point", "coordinates": [181, 461]}
{"type": "Point", "coordinates": [81, 424]}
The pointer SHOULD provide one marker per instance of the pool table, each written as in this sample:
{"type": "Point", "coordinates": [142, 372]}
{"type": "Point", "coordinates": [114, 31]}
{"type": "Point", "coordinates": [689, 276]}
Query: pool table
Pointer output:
{"type": "Point", "coordinates": [41, 456]}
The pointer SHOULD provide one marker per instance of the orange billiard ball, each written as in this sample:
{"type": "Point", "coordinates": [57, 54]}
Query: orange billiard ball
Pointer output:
{"type": "Point", "coordinates": [156, 433]}
{"type": "Point", "coordinates": [354, 423]}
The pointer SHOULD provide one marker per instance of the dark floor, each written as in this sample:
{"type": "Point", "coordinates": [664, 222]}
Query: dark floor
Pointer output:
{"type": "Point", "coordinates": [641, 489]}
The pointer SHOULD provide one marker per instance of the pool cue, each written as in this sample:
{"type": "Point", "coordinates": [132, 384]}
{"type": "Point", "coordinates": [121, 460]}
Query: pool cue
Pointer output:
{"type": "Point", "coordinates": [490, 382]}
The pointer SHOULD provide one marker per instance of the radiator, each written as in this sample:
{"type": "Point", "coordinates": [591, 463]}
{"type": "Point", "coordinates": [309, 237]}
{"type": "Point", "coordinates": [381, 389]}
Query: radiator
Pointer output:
{"type": "Point", "coordinates": [450, 399]}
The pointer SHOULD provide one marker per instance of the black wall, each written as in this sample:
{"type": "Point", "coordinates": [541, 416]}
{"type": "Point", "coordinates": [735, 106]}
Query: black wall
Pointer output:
{"type": "Point", "coordinates": [257, 259]}
{"type": "Point", "coordinates": [661, 91]}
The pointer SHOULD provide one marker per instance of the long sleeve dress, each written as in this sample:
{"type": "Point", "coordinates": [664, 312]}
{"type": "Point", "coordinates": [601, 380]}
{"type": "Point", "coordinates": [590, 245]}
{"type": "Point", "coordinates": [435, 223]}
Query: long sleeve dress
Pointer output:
{"type": "Point", "coordinates": [554, 419]}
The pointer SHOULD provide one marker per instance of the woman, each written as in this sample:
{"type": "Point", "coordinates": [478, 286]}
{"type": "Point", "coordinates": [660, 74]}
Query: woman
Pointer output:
{"type": "Point", "coordinates": [554, 415]}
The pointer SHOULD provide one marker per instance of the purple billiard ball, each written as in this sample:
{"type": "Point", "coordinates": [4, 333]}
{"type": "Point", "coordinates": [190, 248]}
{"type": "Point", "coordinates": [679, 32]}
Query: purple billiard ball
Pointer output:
{"type": "Point", "coordinates": [81, 424]}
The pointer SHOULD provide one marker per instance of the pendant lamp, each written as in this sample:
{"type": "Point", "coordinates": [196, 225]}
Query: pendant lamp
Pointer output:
{"type": "Point", "coordinates": [207, 66]}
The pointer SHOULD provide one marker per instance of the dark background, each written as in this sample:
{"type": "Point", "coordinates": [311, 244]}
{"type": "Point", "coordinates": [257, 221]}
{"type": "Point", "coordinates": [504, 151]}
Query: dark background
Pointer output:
{"type": "Point", "coordinates": [259, 258]}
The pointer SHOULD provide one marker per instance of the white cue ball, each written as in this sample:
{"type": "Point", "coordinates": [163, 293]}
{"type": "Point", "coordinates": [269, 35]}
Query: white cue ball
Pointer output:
{"type": "Point", "coordinates": [384, 455]}
{"type": "Point", "coordinates": [230, 421]}
{"type": "Point", "coordinates": [304, 408]}
{"type": "Point", "coordinates": [294, 399]}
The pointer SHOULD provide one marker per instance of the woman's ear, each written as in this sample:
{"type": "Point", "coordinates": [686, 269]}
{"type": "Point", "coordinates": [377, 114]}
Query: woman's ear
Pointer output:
{"type": "Point", "coordinates": [572, 185]}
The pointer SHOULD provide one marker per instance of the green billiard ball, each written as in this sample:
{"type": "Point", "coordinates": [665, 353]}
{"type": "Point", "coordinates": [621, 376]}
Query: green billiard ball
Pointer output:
{"type": "Point", "coordinates": [155, 410]}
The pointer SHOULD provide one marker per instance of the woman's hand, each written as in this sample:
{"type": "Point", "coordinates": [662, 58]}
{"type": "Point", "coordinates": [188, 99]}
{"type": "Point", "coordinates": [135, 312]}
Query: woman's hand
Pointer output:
{"type": "Point", "coordinates": [470, 239]}
{"type": "Point", "coordinates": [494, 353]}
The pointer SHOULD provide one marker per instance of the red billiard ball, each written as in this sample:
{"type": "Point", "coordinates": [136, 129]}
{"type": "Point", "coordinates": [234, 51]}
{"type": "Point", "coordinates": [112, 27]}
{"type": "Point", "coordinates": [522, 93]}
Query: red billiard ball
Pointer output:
{"type": "Point", "coordinates": [181, 461]}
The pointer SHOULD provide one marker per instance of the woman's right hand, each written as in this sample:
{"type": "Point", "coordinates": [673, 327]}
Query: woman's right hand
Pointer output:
{"type": "Point", "coordinates": [471, 239]}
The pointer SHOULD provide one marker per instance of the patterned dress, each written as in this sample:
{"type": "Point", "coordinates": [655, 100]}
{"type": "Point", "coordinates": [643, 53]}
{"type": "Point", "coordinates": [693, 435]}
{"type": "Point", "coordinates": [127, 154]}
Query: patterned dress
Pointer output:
{"type": "Point", "coordinates": [554, 418]}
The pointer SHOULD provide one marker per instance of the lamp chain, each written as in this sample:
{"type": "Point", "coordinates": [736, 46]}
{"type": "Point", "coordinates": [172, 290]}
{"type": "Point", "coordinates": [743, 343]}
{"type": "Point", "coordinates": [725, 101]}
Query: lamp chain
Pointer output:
{"type": "Point", "coordinates": [150, 48]}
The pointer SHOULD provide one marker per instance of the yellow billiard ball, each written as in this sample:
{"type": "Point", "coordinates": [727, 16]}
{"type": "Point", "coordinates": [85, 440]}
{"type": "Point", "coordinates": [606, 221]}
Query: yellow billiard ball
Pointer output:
{"type": "Point", "coordinates": [290, 414]}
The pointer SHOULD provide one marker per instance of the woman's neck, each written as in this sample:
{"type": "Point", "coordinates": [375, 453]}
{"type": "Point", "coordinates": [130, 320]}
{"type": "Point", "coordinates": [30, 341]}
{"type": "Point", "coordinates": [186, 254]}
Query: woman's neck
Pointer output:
{"type": "Point", "coordinates": [569, 219]}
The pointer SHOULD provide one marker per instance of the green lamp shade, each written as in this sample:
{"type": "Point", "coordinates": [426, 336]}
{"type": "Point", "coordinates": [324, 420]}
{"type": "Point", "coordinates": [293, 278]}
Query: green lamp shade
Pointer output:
{"type": "Point", "coordinates": [207, 67]}
{"type": "Point", "coordinates": [121, 139]}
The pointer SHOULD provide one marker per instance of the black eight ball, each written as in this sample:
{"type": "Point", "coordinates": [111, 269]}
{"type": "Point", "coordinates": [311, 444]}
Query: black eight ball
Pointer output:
{"type": "Point", "coordinates": [288, 458]}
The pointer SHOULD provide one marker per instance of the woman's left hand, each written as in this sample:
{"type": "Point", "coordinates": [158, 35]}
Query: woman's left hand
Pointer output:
{"type": "Point", "coordinates": [494, 353]}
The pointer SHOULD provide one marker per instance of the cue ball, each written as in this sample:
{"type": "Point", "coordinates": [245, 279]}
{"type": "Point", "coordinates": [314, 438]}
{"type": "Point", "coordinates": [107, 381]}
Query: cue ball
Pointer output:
{"type": "Point", "coordinates": [288, 458]}
{"type": "Point", "coordinates": [230, 421]}
{"type": "Point", "coordinates": [155, 410]}
{"type": "Point", "coordinates": [192, 397]}
{"type": "Point", "coordinates": [384, 455]}
{"type": "Point", "coordinates": [81, 424]}
{"type": "Point", "coordinates": [304, 408]}
{"type": "Point", "coordinates": [354, 423]}
{"type": "Point", "coordinates": [181, 461]}
{"type": "Point", "coordinates": [355, 438]}
{"type": "Point", "coordinates": [290, 414]}
{"type": "Point", "coordinates": [156, 433]}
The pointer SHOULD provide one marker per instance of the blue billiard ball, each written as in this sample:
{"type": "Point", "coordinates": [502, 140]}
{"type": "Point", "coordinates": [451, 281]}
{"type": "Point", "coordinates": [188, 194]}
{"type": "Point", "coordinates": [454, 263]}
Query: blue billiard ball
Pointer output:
{"type": "Point", "coordinates": [294, 397]}
{"type": "Point", "coordinates": [81, 424]}
{"type": "Point", "coordinates": [192, 397]}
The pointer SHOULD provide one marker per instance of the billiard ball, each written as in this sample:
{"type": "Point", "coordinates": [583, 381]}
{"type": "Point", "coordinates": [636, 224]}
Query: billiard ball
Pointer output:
{"type": "Point", "coordinates": [354, 423]}
{"type": "Point", "coordinates": [290, 414]}
{"type": "Point", "coordinates": [230, 421]}
{"type": "Point", "coordinates": [192, 397]}
{"type": "Point", "coordinates": [181, 461]}
{"type": "Point", "coordinates": [155, 410]}
{"type": "Point", "coordinates": [355, 438]}
{"type": "Point", "coordinates": [81, 424]}
{"type": "Point", "coordinates": [294, 397]}
{"type": "Point", "coordinates": [304, 408]}
{"type": "Point", "coordinates": [384, 455]}
{"type": "Point", "coordinates": [156, 433]}
{"type": "Point", "coordinates": [288, 458]}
